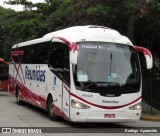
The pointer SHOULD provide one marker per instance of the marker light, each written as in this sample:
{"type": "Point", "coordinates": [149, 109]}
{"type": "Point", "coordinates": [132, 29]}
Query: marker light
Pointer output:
{"type": "Point", "coordinates": [79, 105]}
{"type": "Point", "coordinates": [137, 106]}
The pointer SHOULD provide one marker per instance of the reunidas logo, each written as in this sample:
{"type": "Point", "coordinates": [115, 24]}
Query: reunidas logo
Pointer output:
{"type": "Point", "coordinates": [35, 74]}
{"type": "Point", "coordinates": [112, 101]}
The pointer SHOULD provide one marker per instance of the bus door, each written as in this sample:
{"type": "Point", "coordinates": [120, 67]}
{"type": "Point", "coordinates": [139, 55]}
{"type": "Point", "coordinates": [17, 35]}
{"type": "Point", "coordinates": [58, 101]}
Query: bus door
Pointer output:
{"type": "Point", "coordinates": [59, 65]}
{"type": "Point", "coordinates": [66, 85]}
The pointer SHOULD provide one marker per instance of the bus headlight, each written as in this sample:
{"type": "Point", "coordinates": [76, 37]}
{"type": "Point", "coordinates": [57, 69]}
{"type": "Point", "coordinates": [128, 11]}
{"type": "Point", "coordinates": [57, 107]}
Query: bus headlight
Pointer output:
{"type": "Point", "coordinates": [137, 106]}
{"type": "Point", "coordinates": [79, 105]}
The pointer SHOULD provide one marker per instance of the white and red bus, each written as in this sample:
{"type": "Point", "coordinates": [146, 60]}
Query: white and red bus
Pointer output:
{"type": "Point", "coordinates": [82, 74]}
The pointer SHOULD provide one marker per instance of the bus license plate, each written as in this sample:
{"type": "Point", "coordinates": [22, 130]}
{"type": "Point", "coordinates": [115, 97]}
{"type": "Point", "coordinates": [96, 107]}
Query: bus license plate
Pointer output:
{"type": "Point", "coordinates": [109, 115]}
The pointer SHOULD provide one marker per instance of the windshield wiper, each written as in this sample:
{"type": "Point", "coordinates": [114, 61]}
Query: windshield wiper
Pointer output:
{"type": "Point", "coordinates": [117, 92]}
{"type": "Point", "coordinates": [126, 89]}
{"type": "Point", "coordinates": [102, 84]}
{"type": "Point", "coordinates": [85, 87]}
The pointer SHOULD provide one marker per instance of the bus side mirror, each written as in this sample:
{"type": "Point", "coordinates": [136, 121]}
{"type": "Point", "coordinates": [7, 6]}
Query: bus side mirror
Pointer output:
{"type": "Point", "coordinates": [147, 55]}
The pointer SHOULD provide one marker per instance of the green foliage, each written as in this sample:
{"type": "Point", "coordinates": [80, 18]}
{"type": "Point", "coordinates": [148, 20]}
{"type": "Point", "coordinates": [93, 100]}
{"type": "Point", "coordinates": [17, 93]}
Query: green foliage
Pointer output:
{"type": "Point", "coordinates": [129, 5]}
{"type": "Point", "coordinates": [4, 11]}
{"type": "Point", "coordinates": [52, 15]}
{"type": "Point", "coordinates": [97, 11]}
{"type": "Point", "coordinates": [61, 17]}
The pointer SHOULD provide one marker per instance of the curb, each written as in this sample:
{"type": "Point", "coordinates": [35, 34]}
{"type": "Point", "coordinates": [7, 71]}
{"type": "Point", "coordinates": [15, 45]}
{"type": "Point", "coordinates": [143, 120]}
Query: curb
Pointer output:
{"type": "Point", "coordinates": [151, 118]}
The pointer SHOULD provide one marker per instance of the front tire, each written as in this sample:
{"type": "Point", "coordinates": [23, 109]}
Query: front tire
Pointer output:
{"type": "Point", "coordinates": [50, 110]}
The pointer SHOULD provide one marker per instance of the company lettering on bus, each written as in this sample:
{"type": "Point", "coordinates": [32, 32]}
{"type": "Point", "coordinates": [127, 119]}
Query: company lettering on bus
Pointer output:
{"type": "Point", "coordinates": [35, 74]}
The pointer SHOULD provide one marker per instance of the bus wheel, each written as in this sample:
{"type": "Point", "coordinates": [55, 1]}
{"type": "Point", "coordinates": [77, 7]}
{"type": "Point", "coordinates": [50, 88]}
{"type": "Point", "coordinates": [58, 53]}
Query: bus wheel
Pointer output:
{"type": "Point", "coordinates": [19, 102]}
{"type": "Point", "coordinates": [50, 110]}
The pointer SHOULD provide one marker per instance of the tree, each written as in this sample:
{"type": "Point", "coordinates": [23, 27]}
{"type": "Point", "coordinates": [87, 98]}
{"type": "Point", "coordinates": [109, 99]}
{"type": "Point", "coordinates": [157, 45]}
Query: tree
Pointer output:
{"type": "Point", "coordinates": [3, 13]}
{"type": "Point", "coordinates": [126, 16]}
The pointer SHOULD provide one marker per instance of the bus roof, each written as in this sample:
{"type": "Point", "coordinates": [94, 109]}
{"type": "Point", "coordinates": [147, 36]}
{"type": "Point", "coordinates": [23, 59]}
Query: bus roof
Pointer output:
{"type": "Point", "coordinates": [82, 33]}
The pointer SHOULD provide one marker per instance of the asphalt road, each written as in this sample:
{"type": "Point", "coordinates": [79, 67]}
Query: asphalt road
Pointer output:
{"type": "Point", "coordinates": [13, 115]}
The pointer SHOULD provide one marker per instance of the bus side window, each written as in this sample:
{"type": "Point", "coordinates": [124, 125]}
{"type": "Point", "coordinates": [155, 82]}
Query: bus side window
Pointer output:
{"type": "Point", "coordinates": [56, 58]}
{"type": "Point", "coordinates": [36, 53]}
{"type": "Point", "coordinates": [59, 60]}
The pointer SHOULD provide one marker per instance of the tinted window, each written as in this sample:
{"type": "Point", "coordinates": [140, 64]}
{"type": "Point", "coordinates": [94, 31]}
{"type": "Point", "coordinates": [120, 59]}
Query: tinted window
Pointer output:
{"type": "Point", "coordinates": [34, 54]}
{"type": "Point", "coordinates": [59, 61]}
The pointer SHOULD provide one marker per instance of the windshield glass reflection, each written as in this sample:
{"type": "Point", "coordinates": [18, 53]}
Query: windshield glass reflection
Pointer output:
{"type": "Point", "coordinates": [106, 65]}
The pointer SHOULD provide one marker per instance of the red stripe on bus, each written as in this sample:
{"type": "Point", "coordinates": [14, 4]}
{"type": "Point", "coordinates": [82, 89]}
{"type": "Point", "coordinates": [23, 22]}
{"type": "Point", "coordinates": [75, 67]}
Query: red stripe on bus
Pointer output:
{"type": "Point", "coordinates": [72, 46]}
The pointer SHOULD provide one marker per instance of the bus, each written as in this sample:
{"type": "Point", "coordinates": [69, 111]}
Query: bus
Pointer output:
{"type": "Point", "coordinates": [81, 73]}
{"type": "Point", "coordinates": [3, 75]}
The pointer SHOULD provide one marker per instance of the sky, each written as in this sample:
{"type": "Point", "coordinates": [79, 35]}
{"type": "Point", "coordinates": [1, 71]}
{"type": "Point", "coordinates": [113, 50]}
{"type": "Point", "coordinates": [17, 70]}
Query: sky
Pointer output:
{"type": "Point", "coordinates": [19, 7]}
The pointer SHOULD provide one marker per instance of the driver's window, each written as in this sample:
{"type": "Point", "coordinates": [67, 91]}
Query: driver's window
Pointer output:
{"type": "Point", "coordinates": [59, 60]}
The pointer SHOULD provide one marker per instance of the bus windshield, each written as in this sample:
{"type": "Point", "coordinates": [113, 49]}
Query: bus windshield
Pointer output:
{"type": "Point", "coordinates": [111, 66]}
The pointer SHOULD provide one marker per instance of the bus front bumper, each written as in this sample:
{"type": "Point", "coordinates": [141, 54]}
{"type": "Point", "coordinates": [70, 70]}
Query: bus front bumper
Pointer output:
{"type": "Point", "coordinates": [102, 116]}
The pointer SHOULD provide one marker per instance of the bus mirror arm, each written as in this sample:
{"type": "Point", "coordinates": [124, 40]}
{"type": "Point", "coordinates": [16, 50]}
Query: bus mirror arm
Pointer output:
{"type": "Point", "coordinates": [147, 54]}
{"type": "Point", "coordinates": [73, 57]}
